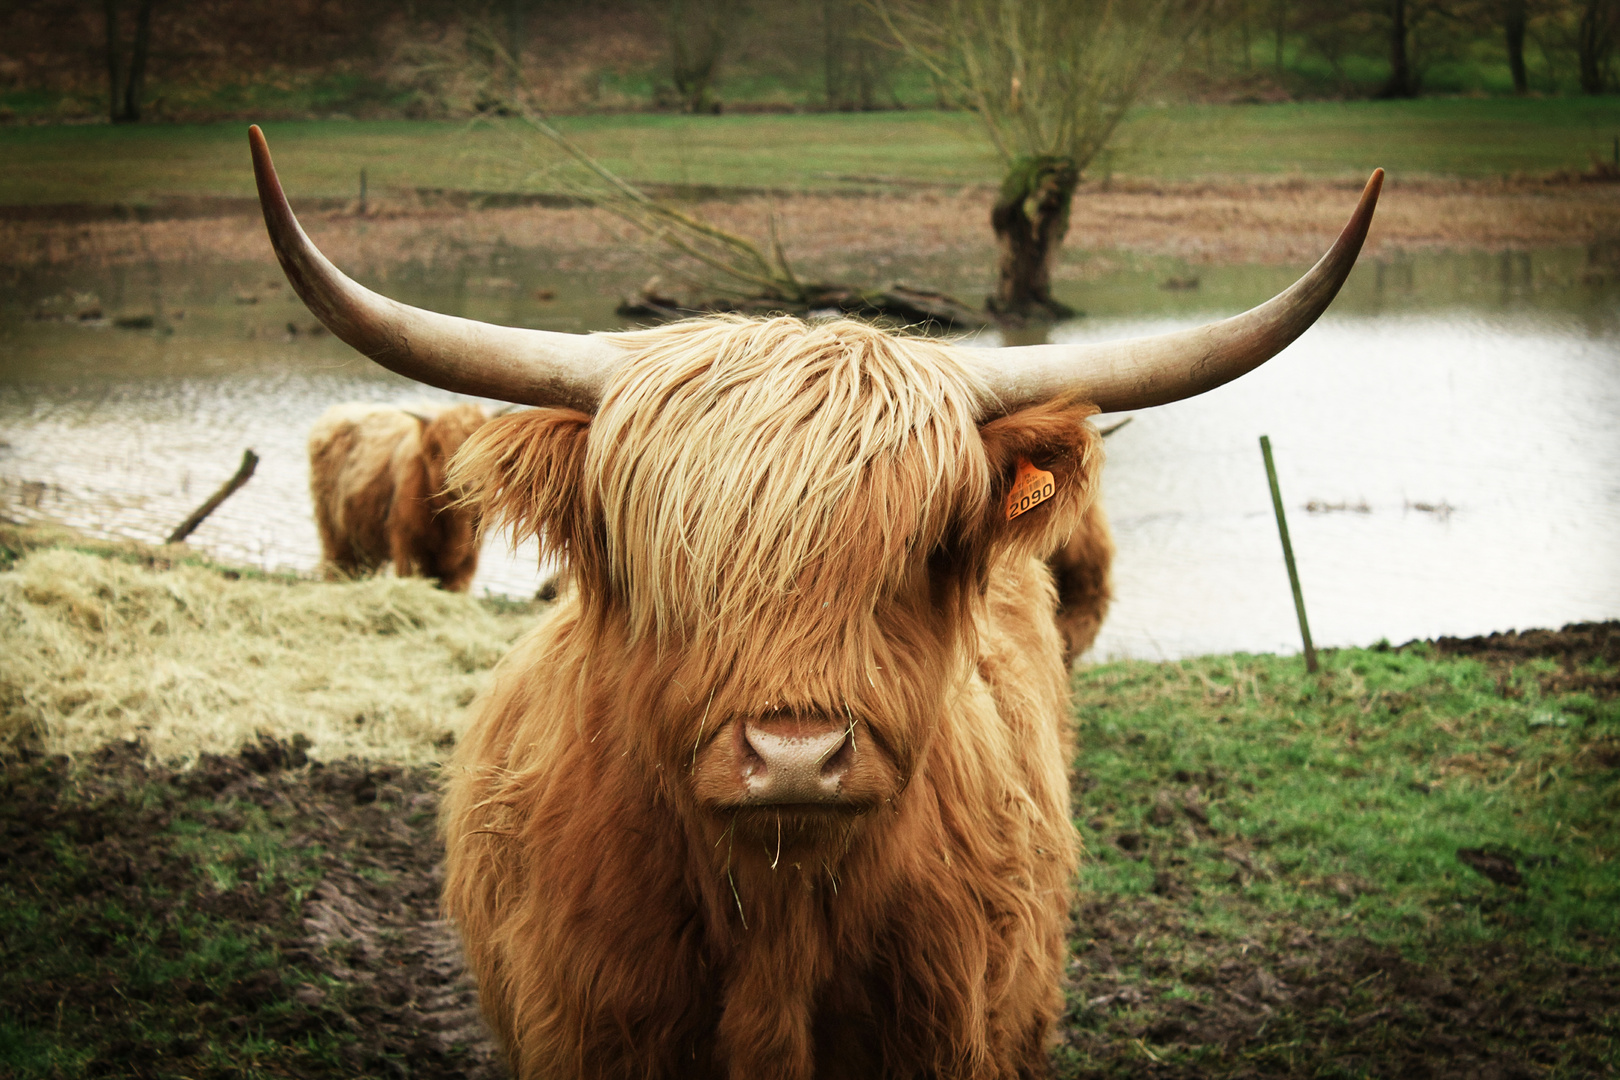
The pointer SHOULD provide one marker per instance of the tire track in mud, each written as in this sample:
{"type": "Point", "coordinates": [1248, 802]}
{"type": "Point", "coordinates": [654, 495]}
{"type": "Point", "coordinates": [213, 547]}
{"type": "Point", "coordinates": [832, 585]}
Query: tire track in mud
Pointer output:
{"type": "Point", "coordinates": [407, 964]}
{"type": "Point", "coordinates": [372, 923]}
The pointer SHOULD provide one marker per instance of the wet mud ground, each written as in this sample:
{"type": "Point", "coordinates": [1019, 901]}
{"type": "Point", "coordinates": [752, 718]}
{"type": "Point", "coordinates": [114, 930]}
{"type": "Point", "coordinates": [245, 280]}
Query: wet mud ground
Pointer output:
{"type": "Point", "coordinates": [266, 915]}
{"type": "Point", "coordinates": [257, 914]}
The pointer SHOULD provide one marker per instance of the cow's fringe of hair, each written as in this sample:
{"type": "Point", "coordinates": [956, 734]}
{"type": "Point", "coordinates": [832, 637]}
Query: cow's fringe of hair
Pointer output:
{"type": "Point", "coordinates": [616, 930]}
{"type": "Point", "coordinates": [811, 458]}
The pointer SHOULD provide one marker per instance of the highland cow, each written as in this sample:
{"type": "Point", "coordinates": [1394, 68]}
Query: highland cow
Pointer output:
{"type": "Point", "coordinates": [377, 476]}
{"type": "Point", "coordinates": [779, 789]}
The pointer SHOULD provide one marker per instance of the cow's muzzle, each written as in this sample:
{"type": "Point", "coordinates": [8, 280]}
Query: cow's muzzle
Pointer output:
{"type": "Point", "coordinates": [793, 759]}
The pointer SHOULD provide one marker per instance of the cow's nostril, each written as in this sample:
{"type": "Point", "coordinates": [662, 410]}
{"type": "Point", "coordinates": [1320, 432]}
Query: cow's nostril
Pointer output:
{"type": "Point", "coordinates": [840, 757]}
{"type": "Point", "coordinates": [748, 758]}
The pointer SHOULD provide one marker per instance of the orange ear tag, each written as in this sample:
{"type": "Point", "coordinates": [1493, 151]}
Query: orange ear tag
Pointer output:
{"type": "Point", "coordinates": [1031, 487]}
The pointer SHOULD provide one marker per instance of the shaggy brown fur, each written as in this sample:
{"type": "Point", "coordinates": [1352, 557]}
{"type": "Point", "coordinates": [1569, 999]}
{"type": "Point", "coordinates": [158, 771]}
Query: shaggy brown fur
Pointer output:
{"type": "Point", "coordinates": [1080, 570]}
{"type": "Point", "coordinates": [769, 516]}
{"type": "Point", "coordinates": [377, 475]}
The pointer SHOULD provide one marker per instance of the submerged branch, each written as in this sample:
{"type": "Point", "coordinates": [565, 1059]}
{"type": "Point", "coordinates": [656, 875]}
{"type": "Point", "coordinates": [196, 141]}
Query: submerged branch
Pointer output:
{"type": "Point", "coordinates": [244, 473]}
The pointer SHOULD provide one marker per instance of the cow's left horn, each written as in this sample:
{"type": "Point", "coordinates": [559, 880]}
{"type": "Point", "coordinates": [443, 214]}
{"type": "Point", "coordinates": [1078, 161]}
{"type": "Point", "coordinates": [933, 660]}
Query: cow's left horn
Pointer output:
{"type": "Point", "coordinates": [529, 367]}
{"type": "Point", "coordinates": [1142, 372]}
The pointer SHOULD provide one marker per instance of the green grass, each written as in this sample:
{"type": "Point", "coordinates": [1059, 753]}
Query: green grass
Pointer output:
{"type": "Point", "coordinates": [1439, 137]}
{"type": "Point", "coordinates": [167, 924]}
{"type": "Point", "coordinates": [133, 950]}
{"type": "Point", "coordinates": [1351, 792]}
{"type": "Point", "coordinates": [324, 158]}
{"type": "Point", "coordinates": [1273, 884]}
{"type": "Point", "coordinates": [1452, 137]}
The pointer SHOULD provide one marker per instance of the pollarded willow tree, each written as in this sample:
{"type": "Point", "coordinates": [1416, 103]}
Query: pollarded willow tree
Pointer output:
{"type": "Point", "coordinates": [1052, 80]}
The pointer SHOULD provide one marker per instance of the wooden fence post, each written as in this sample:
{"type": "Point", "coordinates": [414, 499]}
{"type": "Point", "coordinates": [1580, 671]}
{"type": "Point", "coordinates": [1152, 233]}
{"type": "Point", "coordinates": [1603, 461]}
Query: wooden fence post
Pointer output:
{"type": "Point", "coordinates": [1288, 554]}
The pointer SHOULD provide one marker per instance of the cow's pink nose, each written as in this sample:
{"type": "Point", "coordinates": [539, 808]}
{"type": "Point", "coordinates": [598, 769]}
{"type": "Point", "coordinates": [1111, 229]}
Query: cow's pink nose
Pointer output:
{"type": "Point", "coordinates": [795, 761]}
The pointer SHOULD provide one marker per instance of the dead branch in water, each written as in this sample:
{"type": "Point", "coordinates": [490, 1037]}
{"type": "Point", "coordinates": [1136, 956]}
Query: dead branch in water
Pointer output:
{"type": "Point", "coordinates": [250, 461]}
{"type": "Point", "coordinates": [741, 275]}
{"type": "Point", "coordinates": [898, 303]}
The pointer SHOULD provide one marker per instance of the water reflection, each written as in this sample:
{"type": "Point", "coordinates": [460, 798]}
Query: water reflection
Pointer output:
{"type": "Point", "coordinates": [1452, 421]}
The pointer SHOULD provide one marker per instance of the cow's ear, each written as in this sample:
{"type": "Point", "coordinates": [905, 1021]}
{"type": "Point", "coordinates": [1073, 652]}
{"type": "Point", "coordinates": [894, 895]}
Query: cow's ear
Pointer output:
{"type": "Point", "coordinates": [524, 472]}
{"type": "Point", "coordinates": [1045, 468]}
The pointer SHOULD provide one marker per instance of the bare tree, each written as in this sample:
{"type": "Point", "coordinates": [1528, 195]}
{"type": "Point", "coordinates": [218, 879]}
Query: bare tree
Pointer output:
{"type": "Point", "coordinates": [699, 31]}
{"type": "Point", "coordinates": [514, 17]}
{"type": "Point", "coordinates": [680, 242]}
{"type": "Point", "coordinates": [1280, 31]}
{"type": "Point", "coordinates": [852, 69]}
{"type": "Point", "coordinates": [1401, 82]}
{"type": "Point", "coordinates": [1051, 79]}
{"type": "Point", "coordinates": [1513, 27]}
{"type": "Point", "coordinates": [1596, 33]}
{"type": "Point", "coordinates": [126, 84]}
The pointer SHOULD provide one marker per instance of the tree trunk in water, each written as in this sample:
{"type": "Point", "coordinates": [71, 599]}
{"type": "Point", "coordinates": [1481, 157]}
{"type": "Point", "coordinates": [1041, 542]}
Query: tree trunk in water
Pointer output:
{"type": "Point", "coordinates": [1513, 24]}
{"type": "Point", "coordinates": [1400, 71]}
{"type": "Point", "coordinates": [1030, 219]}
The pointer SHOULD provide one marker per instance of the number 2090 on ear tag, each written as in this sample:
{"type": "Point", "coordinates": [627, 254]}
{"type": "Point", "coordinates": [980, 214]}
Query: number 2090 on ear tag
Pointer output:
{"type": "Point", "coordinates": [1031, 487]}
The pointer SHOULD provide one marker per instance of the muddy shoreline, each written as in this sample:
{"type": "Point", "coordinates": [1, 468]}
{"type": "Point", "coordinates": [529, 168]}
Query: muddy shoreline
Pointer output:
{"type": "Point", "coordinates": [837, 234]}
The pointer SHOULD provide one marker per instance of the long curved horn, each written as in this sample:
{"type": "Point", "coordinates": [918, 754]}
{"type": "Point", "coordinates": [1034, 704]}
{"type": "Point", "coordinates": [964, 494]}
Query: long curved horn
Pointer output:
{"type": "Point", "coordinates": [1142, 372]}
{"type": "Point", "coordinates": [529, 367]}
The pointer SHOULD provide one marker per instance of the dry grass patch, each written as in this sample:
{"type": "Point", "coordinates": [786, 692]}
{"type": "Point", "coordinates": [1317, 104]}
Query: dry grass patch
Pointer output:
{"type": "Point", "coordinates": [193, 659]}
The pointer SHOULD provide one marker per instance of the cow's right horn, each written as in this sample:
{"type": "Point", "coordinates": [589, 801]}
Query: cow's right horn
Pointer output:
{"type": "Point", "coordinates": [528, 367]}
{"type": "Point", "coordinates": [1140, 373]}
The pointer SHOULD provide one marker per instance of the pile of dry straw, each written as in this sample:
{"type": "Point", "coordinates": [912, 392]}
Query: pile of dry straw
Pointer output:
{"type": "Point", "coordinates": [193, 659]}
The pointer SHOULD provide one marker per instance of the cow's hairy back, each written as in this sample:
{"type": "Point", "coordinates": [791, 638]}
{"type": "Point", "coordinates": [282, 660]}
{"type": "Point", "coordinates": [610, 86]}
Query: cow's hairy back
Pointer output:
{"type": "Point", "coordinates": [353, 451]}
{"type": "Point", "coordinates": [378, 483]}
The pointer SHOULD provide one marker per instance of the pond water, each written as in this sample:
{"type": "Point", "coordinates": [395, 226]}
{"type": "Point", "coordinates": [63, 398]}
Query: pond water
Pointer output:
{"type": "Point", "coordinates": [1445, 436]}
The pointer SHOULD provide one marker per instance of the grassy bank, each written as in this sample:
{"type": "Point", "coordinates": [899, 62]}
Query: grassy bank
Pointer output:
{"type": "Point", "coordinates": [1433, 137]}
{"type": "Point", "coordinates": [1405, 865]}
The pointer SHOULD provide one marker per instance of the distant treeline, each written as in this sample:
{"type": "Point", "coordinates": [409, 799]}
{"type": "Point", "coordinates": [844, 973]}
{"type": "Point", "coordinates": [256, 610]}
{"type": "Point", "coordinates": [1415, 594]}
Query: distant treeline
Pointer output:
{"type": "Point", "coordinates": [131, 60]}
